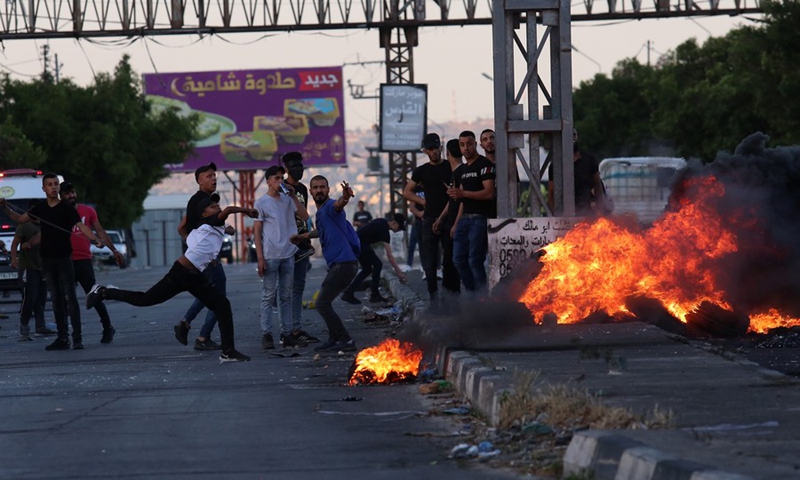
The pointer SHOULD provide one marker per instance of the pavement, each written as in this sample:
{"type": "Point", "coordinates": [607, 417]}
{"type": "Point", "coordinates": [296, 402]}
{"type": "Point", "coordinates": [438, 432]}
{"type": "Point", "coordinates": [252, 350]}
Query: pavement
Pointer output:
{"type": "Point", "coordinates": [733, 419]}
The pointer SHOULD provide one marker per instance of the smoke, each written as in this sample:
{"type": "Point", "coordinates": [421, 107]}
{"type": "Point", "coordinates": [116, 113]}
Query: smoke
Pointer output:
{"type": "Point", "coordinates": [762, 206]}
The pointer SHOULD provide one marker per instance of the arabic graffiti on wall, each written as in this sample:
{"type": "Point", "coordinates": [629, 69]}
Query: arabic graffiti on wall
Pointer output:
{"type": "Point", "coordinates": [403, 114]}
{"type": "Point", "coordinates": [250, 118]}
{"type": "Point", "coordinates": [514, 240]}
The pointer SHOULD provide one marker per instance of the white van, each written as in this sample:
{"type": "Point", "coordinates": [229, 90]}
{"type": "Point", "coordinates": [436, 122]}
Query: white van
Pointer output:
{"type": "Point", "coordinates": [640, 185]}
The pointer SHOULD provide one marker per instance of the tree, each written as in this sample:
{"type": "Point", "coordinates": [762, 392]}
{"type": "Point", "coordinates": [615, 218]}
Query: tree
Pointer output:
{"type": "Point", "coordinates": [16, 151]}
{"type": "Point", "coordinates": [102, 138]}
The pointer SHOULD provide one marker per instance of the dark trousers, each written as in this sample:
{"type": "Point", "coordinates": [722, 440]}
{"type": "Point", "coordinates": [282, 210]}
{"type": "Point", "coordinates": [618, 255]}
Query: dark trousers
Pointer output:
{"type": "Point", "coordinates": [34, 297]}
{"type": "Point", "coordinates": [370, 264]}
{"type": "Point", "coordinates": [61, 282]}
{"type": "Point", "coordinates": [216, 275]}
{"type": "Point", "coordinates": [84, 275]}
{"type": "Point", "coordinates": [339, 276]}
{"type": "Point", "coordinates": [181, 279]}
{"type": "Point", "coordinates": [431, 242]}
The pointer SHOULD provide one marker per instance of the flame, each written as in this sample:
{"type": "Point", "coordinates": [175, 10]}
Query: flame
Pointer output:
{"type": "Point", "coordinates": [772, 318]}
{"type": "Point", "coordinates": [391, 361]}
{"type": "Point", "coordinates": [597, 266]}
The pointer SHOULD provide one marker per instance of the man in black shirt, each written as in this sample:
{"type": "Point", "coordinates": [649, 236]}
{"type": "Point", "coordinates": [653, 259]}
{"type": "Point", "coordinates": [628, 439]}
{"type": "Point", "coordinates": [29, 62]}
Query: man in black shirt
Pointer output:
{"type": "Point", "coordinates": [588, 186]}
{"type": "Point", "coordinates": [374, 232]}
{"type": "Point", "coordinates": [433, 177]}
{"type": "Point", "coordinates": [474, 189]}
{"type": "Point", "coordinates": [57, 219]}
{"type": "Point", "coordinates": [361, 217]}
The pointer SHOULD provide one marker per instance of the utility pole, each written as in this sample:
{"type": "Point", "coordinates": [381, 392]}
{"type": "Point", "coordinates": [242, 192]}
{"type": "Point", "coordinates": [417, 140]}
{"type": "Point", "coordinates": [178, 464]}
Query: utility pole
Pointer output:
{"type": "Point", "coordinates": [46, 61]}
{"type": "Point", "coordinates": [648, 53]}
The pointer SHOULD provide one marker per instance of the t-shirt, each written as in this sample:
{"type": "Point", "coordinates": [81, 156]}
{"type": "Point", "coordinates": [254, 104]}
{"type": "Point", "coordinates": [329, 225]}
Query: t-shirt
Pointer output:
{"type": "Point", "coordinates": [337, 237]}
{"type": "Point", "coordinates": [452, 205]}
{"type": "Point", "coordinates": [28, 257]}
{"type": "Point", "coordinates": [433, 178]}
{"type": "Point", "coordinates": [374, 232]}
{"type": "Point", "coordinates": [81, 246]}
{"type": "Point", "coordinates": [277, 215]}
{"type": "Point", "coordinates": [471, 177]}
{"type": "Point", "coordinates": [56, 224]}
{"type": "Point", "coordinates": [363, 217]}
{"type": "Point", "coordinates": [584, 168]}
{"type": "Point", "coordinates": [203, 245]}
{"type": "Point", "coordinates": [302, 194]}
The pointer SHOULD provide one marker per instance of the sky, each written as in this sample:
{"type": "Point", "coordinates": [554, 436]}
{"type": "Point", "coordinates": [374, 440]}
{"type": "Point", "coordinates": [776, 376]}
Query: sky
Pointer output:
{"type": "Point", "coordinates": [452, 61]}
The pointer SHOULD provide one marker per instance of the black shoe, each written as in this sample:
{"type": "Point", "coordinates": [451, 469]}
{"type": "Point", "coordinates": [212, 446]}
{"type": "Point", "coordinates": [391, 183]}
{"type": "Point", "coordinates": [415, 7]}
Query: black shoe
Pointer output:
{"type": "Point", "coordinates": [43, 332]}
{"type": "Point", "coordinates": [331, 346]}
{"type": "Point", "coordinates": [77, 344]}
{"type": "Point", "coordinates": [108, 335]}
{"type": "Point", "coordinates": [350, 298]}
{"type": "Point", "coordinates": [233, 356]}
{"type": "Point", "coordinates": [377, 298]}
{"type": "Point", "coordinates": [95, 296]}
{"type": "Point", "coordinates": [305, 336]}
{"type": "Point", "coordinates": [267, 343]}
{"type": "Point", "coordinates": [24, 338]}
{"type": "Point", "coordinates": [58, 344]}
{"type": "Point", "coordinates": [182, 332]}
{"type": "Point", "coordinates": [206, 344]}
{"type": "Point", "coordinates": [292, 340]}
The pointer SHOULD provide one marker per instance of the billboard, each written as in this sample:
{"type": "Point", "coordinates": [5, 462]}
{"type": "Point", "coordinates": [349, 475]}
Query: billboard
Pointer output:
{"type": "Point", "coordinates": [249, 118]}
{"type": "Point", "coordinates": [404, 117]}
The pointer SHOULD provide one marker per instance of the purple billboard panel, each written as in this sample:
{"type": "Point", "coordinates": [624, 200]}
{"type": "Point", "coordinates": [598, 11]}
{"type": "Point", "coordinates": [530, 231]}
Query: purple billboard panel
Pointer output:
{"type": "Point", "coordinates": [249, 118]}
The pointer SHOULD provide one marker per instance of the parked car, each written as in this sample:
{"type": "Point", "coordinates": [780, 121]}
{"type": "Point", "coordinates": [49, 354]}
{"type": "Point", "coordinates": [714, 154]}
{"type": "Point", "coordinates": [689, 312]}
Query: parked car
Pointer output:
{"type": "Point", "coordinates": [226, 251]}
{"type": "Point", "coordinates": [104, 255]}
{"type": "Point", "coordinates": [9, 277]}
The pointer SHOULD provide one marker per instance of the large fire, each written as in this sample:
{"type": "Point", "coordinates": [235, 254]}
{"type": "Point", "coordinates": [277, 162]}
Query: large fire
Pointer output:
{"type": "Point", "coordinates": [391, 361]}
{"type": "Point", "coordinates": [680, 261]}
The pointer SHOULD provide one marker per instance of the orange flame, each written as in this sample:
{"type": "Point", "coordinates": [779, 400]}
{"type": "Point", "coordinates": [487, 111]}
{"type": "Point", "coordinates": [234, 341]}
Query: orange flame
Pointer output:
{"type": "Point", "coordinates": [391, 361]}
{"type": "Point", "coordinates": [597, 266]}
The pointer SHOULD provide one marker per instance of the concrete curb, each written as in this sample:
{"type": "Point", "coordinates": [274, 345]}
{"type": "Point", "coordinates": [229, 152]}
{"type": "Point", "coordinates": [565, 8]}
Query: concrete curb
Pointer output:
{"type": "Point", "coordinates": [607, 455]}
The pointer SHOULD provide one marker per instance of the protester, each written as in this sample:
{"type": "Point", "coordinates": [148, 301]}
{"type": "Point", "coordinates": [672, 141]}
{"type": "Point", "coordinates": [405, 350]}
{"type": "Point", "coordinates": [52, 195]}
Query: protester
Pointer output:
{"type": "Point", "coordinates": [341, 248]}
{"type": "Point", "coordinates": [488, 144]}
{"type": "Point", "coordinates": [362, 216]}
{"type": "Point", "coordinates": [82, 255]}
{"type": "Point", "coordinates": [186, 274]}
{"type": "Point", "coordinates": [589, 191]}
{"type": "Point", "coordinates": [57, 219]}
{"type": "Point", "coordinates": [275, 253]}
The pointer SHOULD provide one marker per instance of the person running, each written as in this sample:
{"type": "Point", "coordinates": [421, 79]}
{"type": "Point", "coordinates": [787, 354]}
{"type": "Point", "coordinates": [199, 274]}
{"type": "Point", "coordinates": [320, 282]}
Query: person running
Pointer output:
{"type": "Point", "coordinates": [82, 254]}
{"type": "Point", "coordinates": [341, 248]}
{"type": "Point", "coordinates": [57, 219]}
{"type": "Point", "coordinates": [186, 274]}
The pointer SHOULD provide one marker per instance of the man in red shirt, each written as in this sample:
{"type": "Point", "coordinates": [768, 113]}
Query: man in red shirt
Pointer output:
{"type": "Point", "coordinates": [82, 254]}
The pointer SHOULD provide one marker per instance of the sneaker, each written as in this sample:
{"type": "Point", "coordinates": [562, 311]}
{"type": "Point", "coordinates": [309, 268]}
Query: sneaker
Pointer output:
{"type": "Point", "coordinates": [350, 298]}
{"type": "Point", "coordinates": [94, 296]}
{"type": "Point", "coordinates": [24, 338]}
{"type": "Point", "coordinates": [77, 344]}
{"type": "Point", "coordinates": [182, 332]}
{"type": "Point", "coordinates": [233, 356]}
{"type": "Point", "coordinates": [206, 344]}
{"type": "Point", "coordinates": [331, 346]}
{"type": "Point", "coordinates": [377, 298]}
{"type": "Point", "coordinates": [108, 335]}
{"type": "Point", "coordinates": [305, 336]}
{"type": "Point", "coordinates": [58, 344]}
{"type": "Point", "coordinates": [292, 340]}
{"type": "Point", "coordinates": [43, 332]}
{"type": "Point", "coordinates": [267, 343]}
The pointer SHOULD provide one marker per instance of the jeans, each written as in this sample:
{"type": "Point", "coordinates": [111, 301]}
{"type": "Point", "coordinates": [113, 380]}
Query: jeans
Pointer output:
{"type": "Point", "coordinates": [181, 279]}
{"type": "Point", "coordinates": [339, 276]}
{"type": "Point", "coordinates": [300, 272]}
{"type": "Point", "coordinates": [278, 281]}
{"type": "Point", "coordinates": [430, 247]}
{"type": "Point", "coordinates": [61, 282]}
{"type": "Point", "coordinates": [216, 276]}
{"type": "Point", "coordinates": [414, 239]}
{"type": "Point", "coordinates": [84, 275]}
{"type": "Point", "coordinates": [470, 246]}
{"type": "Point", "coordinates": [34, 297]}
{"type": "Point", "coordinates": [370, 264]}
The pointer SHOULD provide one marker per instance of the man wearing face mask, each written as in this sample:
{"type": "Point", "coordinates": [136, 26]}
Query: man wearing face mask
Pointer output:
{"type": "Point", "coordinates": [293, 161]}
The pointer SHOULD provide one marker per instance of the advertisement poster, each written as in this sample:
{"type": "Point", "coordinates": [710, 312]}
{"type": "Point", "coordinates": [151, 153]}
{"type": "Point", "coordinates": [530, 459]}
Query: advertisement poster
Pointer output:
{"type": "Point", "coordinates": [404, 117]}
{"type": "Point", "coordinates": [249, 118]}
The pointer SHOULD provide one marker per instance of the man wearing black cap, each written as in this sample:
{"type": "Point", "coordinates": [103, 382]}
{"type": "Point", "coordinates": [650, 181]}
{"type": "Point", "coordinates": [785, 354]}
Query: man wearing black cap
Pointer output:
{"type": "Point", "coordinates": [206, 178]}
{"type": "Point", "coordinates": [374, 232]}
{"type": "Point", "coordinates": [433, 177]}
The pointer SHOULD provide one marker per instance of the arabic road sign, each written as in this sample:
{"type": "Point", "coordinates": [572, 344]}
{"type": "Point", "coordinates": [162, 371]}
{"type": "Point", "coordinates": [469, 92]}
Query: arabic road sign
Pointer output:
{"type": "Point", "coordinates": [250, 118]}
{"type": "Point", "coordinates": [404, 117]}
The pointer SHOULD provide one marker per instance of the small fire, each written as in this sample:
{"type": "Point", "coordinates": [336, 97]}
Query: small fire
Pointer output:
{"type": "Point", "coordinates": [680, 261]}
{"type": "Point", "coordinates": [391, 361]}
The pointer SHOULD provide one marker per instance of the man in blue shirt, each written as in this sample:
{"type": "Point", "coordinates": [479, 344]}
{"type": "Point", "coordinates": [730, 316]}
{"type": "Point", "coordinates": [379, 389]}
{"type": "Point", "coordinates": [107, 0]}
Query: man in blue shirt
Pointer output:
{"type": "Point", "coordinates": [341, 248]}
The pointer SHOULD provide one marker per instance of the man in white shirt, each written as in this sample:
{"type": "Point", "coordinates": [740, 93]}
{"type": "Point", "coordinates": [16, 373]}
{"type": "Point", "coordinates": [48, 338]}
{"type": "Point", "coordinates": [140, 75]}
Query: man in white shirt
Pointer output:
{"type": "Point", "coordinates": [274, 227]}
{"type": "Point", "coordinates": [186, 274]}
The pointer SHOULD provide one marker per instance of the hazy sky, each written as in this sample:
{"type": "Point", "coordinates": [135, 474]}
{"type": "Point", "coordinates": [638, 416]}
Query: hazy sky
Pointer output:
{"type": "Point", "coordinates": [451, 60]}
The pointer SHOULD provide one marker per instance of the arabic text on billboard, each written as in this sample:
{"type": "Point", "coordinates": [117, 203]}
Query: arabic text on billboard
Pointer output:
{"type": "Point", "coordinates": [250, 118]}
{"type": "Point", "coordinates": [403, 117]}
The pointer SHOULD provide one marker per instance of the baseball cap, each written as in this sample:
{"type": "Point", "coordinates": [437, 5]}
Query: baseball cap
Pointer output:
{"type": "Point", "coordinates": [204, 203]}
{"type": "Point", "coordinates": [431, 140]}
{"type": "Point", "coordinates": [204, 168]}
{"type": "Point", "coordinates": [66, 187]}
{"type": "Point", "coordinates": [275, 170]}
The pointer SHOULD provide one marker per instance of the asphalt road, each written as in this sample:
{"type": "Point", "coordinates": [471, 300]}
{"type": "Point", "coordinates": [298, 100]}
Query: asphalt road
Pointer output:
{"type": "Point", "coordinates": [147, 407]}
